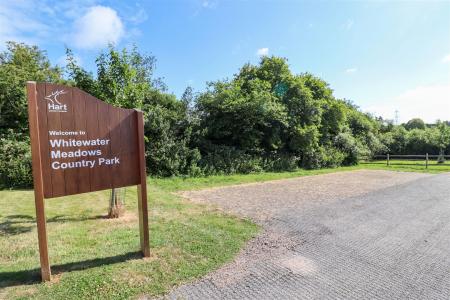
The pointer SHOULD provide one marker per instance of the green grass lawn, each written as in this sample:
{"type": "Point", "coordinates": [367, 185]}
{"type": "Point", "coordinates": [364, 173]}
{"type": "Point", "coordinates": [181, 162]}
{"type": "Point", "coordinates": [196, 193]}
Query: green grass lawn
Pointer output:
{"type": "Point", "coordinates": [94, 257]}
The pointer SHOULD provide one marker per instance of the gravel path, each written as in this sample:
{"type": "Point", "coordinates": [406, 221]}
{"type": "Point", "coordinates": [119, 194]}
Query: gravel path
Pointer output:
{"type": "Point", "coordinates": [348, 235]}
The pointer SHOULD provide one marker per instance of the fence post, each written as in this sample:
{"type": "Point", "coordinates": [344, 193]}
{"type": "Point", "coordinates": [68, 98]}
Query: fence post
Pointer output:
{"type": "Point", "coordinates": [426, 161]}
{"type": "Point", "coordinates": [387, 156]}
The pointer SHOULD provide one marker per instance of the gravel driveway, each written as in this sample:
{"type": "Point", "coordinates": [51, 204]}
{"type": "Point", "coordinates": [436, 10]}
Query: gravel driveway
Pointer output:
{"type": "Point", "coordinates": [348, 235]}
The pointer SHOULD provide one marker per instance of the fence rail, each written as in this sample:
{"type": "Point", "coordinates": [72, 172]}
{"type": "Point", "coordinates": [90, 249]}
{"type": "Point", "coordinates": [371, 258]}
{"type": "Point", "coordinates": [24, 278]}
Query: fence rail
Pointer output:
{"type": "Point", "coordinates": [426, 158]}
{"type": "Point", "coordinates": [411, 156]}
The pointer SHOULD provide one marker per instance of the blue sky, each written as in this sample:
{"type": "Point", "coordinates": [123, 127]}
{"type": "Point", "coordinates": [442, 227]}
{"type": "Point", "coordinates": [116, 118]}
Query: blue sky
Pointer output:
{"type": "Point", "coordinates": [383, 55]}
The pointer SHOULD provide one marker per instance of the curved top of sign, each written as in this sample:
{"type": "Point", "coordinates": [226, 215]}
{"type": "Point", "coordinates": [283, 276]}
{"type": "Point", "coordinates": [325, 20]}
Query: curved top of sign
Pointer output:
{"type": "Point", "coordinates": [85, 144]}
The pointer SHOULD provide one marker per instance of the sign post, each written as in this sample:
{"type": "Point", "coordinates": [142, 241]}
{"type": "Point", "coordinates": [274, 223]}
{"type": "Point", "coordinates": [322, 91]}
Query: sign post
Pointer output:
{"type": "Point", "coordinates": [80, 144]}
{"type": "Point", "coordinates": [142, 190]}
{"type": "Point", "coordinates": [37, 181]}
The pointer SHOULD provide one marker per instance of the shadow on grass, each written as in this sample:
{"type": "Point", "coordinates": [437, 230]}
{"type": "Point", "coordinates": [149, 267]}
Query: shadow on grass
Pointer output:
{"type": "Point", "coordinates": [17, 224]}
{"type": "Point", "coordinates": [33, 276]}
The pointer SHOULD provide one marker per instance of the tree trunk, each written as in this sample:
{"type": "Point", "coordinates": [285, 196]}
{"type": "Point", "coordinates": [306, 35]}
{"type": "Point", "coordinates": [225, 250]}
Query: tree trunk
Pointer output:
{"type": "Point", "coordinates": [441, 158]}
{"type": "Point", "coordinates": [116, 203]}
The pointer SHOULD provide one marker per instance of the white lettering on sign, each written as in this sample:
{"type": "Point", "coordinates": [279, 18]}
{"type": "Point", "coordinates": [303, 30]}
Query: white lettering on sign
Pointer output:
{"type": "Point", "coordinates": [78, 143]}
{"type": "Point", "coordinates": [57, 108]}
{"type": "Point", "coordinates": [108, 161]}
{"type": "Point", "coordinates": [53, 132]}
{"type": "Point", "coordinates": [77, 153]}
{"type": "Point", "coordinates": [55, 154]}
{"type": "Point", "coordinates": [56, 165]}
{"type": "Point", "coordinates": [53, 103]}
{"type": "Point", "coordinates": [74, 164]}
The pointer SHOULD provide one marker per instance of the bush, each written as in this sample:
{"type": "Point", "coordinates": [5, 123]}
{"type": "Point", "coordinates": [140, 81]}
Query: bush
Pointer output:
{"type": "Point", "coordinates": [332, 157]}
{"type": "Point", "coordinates": [168, 133]}
{"type": "Point", "coordinates": [280, 162]}
{"type": "Point", "coordinates": [15, 162]}
{"type": "Point", "coordinates": [311, 160]}
{"type": "Point", "coordinates": [323, 157]}
{"type": "Point", "coordinates": [228, 160]}
{"type": "Point", "coordinates": [346, 143]}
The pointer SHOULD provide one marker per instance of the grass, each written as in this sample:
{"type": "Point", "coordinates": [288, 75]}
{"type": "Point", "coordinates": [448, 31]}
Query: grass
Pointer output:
{"type": "Point", "coordinates": [180, 183]}
{"type": "Point", "coordinates": [93, 257]}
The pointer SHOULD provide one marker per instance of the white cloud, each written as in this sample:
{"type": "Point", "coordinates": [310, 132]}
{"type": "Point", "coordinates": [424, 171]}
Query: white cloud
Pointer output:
{"type": "Point", "coordinates": [351, 70]}
{"type": "Point", "coordinates": [99, 26]}
{"type": "Point", "coordinates": [78, 23]}
{"type": "Point", "coordinates": [429, 103]}
{"type": "Point", "coordinates": [18, 22]}
{"type": "Point", "coordinates": [446, 58]}
{"type": "Point", "coordinates": [262, 52]}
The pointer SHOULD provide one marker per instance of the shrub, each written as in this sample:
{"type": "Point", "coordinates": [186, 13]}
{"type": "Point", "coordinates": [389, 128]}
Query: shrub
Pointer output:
{"type": "Point", "coordinates": [280, 162]}
{"type": "Point", "coordinates": [332, 157]}
{"type": "Point", "coordinates": [168, 133]}
{"type": "Point", "coordinates": [346, 143]}
{"type": "Point", "coordinates": [312, 159]}
{"type": "Point", "coordinates": [228, 160]}
{"type": "Point", "coordinates": [15, 161]}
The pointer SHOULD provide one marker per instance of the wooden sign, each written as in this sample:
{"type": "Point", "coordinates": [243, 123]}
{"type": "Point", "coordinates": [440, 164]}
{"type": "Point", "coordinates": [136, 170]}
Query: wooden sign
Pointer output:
{"type": "Point", "coordinates": [80, 144]}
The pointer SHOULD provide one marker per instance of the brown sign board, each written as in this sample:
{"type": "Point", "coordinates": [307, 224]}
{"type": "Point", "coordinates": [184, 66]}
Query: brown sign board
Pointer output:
{"type": "Point", "coordinates": [81, 144]}
{"type": "Point", "coordinates": [86, 144]}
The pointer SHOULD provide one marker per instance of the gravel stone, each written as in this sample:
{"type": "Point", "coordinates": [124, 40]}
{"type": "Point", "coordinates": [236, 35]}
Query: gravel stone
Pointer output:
{"type": "Point", "coordinates": [349, 235]}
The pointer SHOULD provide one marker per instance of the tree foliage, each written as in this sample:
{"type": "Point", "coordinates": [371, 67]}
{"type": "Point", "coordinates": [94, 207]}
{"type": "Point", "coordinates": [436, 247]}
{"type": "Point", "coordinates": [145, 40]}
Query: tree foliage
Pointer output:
{"type": "Point", "coordinates": [267, 111]}
{"type": "Point", "coordinates": [263, 118]}
{"type": "Point", "coordinates": [415, 123]}
{"type": "Point", "coordinates": [126, 79]}
{"type": "Point", "coordinates": [20, 63]}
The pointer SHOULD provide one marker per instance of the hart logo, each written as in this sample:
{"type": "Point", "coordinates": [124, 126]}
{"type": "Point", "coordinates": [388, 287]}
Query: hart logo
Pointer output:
{"type": "Point", "coordinates": [53, 104]}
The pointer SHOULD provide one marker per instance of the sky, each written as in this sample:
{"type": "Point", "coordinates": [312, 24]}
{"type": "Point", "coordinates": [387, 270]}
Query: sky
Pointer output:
{"type": "Point", "coordinates": [385, 56]}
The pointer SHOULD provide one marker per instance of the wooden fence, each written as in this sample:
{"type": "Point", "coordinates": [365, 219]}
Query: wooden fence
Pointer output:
{"type": "Point", "coordinates": [416, 159]}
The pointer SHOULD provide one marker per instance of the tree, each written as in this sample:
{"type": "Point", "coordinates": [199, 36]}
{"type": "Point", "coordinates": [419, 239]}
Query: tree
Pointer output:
{"type": "Point", "coordinates": [265, 113]}
{"type": "Point", "coordinates": [126, 79]}
{"type": "Point", "coordinates": [79, 77]}
{"type": "Point", "coordinates": [188, 97]}
{"type": "Point", "coordinates": [20, 63]}
{"type": "Point", "coordinates": [443, 139]}
{"type": "Point", "coordinates": [242, 114]}
{"type": "Point", "coordinates": [415, 123]}
{"type": "Point", "coordinates": [263, 118]}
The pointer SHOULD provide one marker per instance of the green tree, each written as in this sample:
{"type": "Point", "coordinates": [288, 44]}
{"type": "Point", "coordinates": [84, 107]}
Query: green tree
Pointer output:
{"type": "Point", "coordinates": [248, 118]}
{"type": "Point", "coordinates": [80, 77]}
{"type": "Point", "coordinates": [443, 139]}
{"type": "Point", "coordinates": [267, 112]}
{"type": "Point", "coordinates": [126, 79]}
{"type": "Point", "coordinates": [20, 63]}
{"type": "Point", "coordinates": [415, 123]}
{"type": "Point", "coordinates": [188, 97]}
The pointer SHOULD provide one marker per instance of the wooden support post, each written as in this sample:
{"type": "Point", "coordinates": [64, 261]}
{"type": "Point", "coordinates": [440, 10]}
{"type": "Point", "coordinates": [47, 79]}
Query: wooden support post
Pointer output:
{"type": "Point", "coordinates": [38, 181]}
{"type": "Point", "coordinates": [387, 161]}
{"type": "Point", "coordinates": [426, 161]}
{"type": "Point", "coordinates": [142, 189]}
